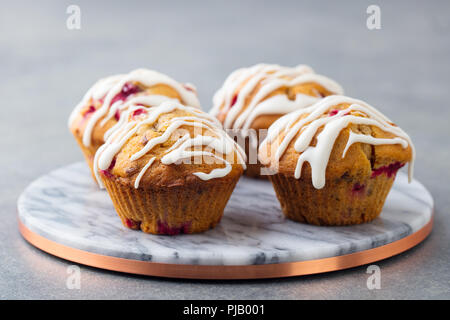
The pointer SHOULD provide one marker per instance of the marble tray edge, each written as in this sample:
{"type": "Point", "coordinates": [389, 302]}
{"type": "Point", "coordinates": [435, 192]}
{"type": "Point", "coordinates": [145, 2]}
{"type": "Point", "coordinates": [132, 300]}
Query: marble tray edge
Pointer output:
{"type": "Point", "coordinates": [227, 272]}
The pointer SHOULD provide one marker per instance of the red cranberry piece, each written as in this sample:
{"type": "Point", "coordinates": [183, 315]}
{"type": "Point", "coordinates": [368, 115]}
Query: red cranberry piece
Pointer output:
{"type": "Point", "coordinates": [233, 101]}
{"type": "Point", "coordinates": [358, 189]}
{"type": "Point", "coordinates": [138, 112]}
{"type": "Point", "coordinates": [163, 228]}
{"type": "Point", "coordinates": [113, 163]}
{"type": "Point", "coordinates": [132, 224]}
{"type": "Point", "coordinates": [86, 114]}
{"type": "Point", "coordinates": [117, 115]}
{"type": "Point", "coordinates": [333, 112]}
{"type": "Point", "coordinates": [107, 172]}
{"type": "Point", "coordinates": [90, 110]}
{"type": "Point", "coordinates": [393, 168]}
{"type": "Point", "coordinates": [127, 90]}
{"type": "Point", "coordinates": [390, 170]}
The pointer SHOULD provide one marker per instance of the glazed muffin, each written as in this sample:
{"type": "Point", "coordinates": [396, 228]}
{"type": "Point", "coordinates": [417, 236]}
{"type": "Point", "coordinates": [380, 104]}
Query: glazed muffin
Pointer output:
{"type": "Point", "coordinates": [334, 163]}
{"type": "Point", "coordinates": [169, 169]}
{"type": "Point", "coordinates": [101, 108]}
{"type": "Point", "coordinates": [251, 99]}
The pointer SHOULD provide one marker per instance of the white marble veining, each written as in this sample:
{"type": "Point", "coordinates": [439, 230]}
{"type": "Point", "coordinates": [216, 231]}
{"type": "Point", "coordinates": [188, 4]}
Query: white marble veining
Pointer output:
{"type": "Point", "coordinates": [67, 207]}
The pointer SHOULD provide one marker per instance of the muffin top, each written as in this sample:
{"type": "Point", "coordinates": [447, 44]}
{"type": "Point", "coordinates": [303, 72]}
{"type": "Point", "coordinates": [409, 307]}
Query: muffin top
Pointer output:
{"type": "Point", "coordinates": [104, 103]}
{"type": "Point", "coordinates": [255, 97]}
{"type": "Point", "coordinates": [167, 145]}
{"type": "Point", "coordinates": [334, 138]}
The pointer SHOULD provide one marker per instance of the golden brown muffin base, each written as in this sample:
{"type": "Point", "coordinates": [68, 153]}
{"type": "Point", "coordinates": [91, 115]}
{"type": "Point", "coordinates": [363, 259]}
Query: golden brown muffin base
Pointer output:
{"type": "Point", "coordinates": [254, 171]}
{"type": "Point", "coordinates": [339, 202]}
{"type": "Point", "coordinates": [191, 208]}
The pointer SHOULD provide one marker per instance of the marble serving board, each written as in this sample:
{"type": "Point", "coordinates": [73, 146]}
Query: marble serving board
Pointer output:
{"type": "Point", "coordinates": [67, 207]}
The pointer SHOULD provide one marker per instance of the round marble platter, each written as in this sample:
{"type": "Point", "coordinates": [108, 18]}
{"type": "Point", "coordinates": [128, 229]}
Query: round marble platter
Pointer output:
{"type": "Point", "coordinates": [65, 214]}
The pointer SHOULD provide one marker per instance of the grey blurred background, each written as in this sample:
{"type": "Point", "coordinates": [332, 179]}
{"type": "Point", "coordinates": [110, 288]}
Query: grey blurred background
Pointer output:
{"type": "Point", "coordinates": [403, 69]}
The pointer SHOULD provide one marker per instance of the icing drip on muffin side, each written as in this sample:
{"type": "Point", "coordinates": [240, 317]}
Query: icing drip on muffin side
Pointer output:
{"type": "Point", "coordinates": [186, 147]}
{"type": "Point", "coordinates": [308, 121]}
{"type": "Point", "coordinates": [116, 91]}
{"type": "Point", "coordinates": [241, 113]}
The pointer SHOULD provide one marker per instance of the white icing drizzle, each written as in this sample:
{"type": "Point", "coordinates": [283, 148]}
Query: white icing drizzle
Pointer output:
{"type": "Point", "coordinates": [182, 152]}
{"type": "Point", "coordinates": [141, 174]}
{"type": "Point", "coordinates": [149, 101]}
{"type": "Point", "coordinates": [111, 86]}
{"type": "Point", "coordinates": [96, 92]}
{"type": "Point", "coordinates": [319, 155]}
{"type": "Point", "coordinates": [153, 100]}
{"type": "Point", "coordinates": [270, 77]}
{"type": "Point", "coordinates": [286, 105]}
{"type": "Point", "coordinates": [183, 148]}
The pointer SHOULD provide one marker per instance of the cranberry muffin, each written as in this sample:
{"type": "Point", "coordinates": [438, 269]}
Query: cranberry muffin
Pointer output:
{"type": "Point", "coordinates": [101, 108]}
{"type": "Point", "coordinates": [335, 162]}
{"type": "Point", "coordinates": [169, 169]}
{"type": "Point", "coordinates": [251, 99]}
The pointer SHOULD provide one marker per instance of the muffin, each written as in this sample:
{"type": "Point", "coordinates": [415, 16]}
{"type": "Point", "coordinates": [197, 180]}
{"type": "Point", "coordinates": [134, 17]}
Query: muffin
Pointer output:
{"type": "Point", "coordinates": [334, 163]}
{"type": "Point", "coordinates": [169, 169]}
{"type": "Point", "coordinates": [251, 99]}
{"type": "Point", "coordinates": [102, 106]}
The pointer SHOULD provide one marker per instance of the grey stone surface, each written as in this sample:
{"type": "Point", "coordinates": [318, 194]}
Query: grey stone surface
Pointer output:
{"type": "Point", "coordinates": [403, 69]}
